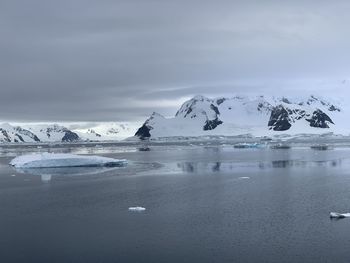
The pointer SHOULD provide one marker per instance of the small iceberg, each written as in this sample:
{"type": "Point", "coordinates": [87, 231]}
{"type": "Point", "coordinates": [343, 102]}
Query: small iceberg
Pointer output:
{"type": "Point", "coordinates": [137, 209]}
{"type": "Point", "coordinates": [338, 215]}
{"type": "Point", "coordinates": [320, 147]}
{"type": "Point", "coordinates": [56, 160]}
{"type": "Point", "coordinates": [280, 146]}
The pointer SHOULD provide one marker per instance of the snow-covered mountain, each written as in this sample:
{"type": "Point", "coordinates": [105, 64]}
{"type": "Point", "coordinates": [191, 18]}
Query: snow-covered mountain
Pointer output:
{"type": "Point", "coordinates": [54, 133]}
{"type": "Point", "coordinates": [10, 133]}
{"type": "Point", "coordinates": [39, 133]}
{"type": "Point", "coordinates": [258, 116]}
{"type": "Point", "coordinates": [58, 133]}
{"type": "Point", "coordinates": [107, 131]}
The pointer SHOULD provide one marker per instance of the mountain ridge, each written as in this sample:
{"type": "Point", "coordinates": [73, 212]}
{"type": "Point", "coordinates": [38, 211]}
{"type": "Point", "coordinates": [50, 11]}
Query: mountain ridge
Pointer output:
{"type": "Point", "coordinates": [257, 115]}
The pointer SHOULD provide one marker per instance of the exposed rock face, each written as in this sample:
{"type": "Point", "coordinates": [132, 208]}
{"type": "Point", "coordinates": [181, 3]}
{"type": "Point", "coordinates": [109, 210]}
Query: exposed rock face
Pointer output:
{"type": "Point", "coordinates": [70, 136]}
{"type": "Point", "coordinates": [57, 132]}
{"type": "Point", "coordinates": [16, 134]}
{"type": "Point", "coordinates": [279, 120]}
{"type": "Point", "coordinates": [202, 108]}
{"type": "Point", "coordinates": [27, 133]}
{"type": "Point", "coordinates": [282, 118]}
{"type": "Point", "coordinates": [211, 124]}
{"type": "Point", "coordinates": [319, 119]}
{"type": "Point", "coordinates": [144, 131]}
{"type": "Point", "coordinates": [5, 135]}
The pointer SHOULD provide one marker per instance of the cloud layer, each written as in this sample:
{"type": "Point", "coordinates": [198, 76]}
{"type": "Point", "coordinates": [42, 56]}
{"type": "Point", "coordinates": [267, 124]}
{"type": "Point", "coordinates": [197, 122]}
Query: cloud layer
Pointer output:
{"type": "Point", "coordinates": [104, 60]}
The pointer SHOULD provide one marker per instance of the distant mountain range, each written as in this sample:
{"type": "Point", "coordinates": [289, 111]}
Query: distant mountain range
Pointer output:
{"type": "Point", "coordinates": [258, 116]}
{"type": "Point", "coordinates": [201, 116]}
{"type": "Point", "coordinates": [58, 133]}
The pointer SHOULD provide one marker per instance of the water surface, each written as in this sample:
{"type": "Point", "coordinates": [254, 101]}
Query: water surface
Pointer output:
{"type": "Point", "coordinates": [205, 203]}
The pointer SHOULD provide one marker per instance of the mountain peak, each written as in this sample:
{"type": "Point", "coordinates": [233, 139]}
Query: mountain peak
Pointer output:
{"type": "Point", "coordinates": [242, 114]}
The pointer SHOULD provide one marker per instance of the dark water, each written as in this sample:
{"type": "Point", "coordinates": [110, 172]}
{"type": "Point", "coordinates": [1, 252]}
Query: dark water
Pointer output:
{"type": "Point", "coordinates": [204, 204]}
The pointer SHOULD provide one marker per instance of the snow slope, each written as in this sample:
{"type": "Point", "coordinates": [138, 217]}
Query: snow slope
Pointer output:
{"type": "Point", "coordinates": [9, 133]}
{"type": "Point", "coordinates": [107, 131]}
{"type": "Point", "coordinates": [54, 133]}
{"type": "Point", "coordinates": [259, 116]}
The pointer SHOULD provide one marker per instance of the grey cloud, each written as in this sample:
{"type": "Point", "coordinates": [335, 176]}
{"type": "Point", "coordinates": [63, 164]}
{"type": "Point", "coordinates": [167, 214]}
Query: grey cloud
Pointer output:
{"type": "Point", "coordinates": [97, 60]}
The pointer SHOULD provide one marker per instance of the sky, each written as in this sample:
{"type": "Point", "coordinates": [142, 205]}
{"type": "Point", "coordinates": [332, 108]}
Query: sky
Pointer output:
{"type": "Point", "coordinates": [120, 60]}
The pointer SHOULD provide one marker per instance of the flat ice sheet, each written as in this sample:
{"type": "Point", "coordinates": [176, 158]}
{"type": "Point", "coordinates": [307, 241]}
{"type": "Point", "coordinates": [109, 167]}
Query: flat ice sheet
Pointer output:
{"type": "Point", "coordinates": [52, 160]}
{"type": "Point", "coordinates": [137, 209]}
{"type": "Point", "coordinates": [338, 215]}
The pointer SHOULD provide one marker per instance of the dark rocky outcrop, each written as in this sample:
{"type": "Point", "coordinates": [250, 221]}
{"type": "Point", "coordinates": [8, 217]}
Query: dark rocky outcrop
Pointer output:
{"type": "Point", "coordinates": [319, 119]}
{"type": "Point", "coordinates": [70, 136]}
{"type": "Point", "coordinates": [211, 124]}
{"type": "Point", "coordinates": [333, 108]}
{"type": "Point", "coordinates": [19, 137]}
{"type": "Point", "coordinates": [143, 132]}
{"type": "Point", "coordinates": [279, 119]}
{"type": "Point", "coordinates": [7, 137]}
{"type": "Point", "coordinates": [220, 101]}
{"type": "Point", "coordinates": [215, 109]}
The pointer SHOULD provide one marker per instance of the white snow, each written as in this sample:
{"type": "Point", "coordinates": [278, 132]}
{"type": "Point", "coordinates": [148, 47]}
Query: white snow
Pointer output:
{"type": "Point", "coordinates": [338, 215]}
{"type": "Point", "coordinates": [108, 131]}
{"type": "Point", "coordinates": [51, 160]}
{"type": "Point", "coordinates": [245, 115]}
{"type": "Point", "coordinates": [137, 208]}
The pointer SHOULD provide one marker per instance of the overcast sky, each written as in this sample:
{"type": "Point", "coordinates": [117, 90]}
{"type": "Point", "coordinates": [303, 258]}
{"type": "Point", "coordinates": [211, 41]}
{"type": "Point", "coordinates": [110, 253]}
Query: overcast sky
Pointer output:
{"type": "Point", "coordinates": [120, 60]}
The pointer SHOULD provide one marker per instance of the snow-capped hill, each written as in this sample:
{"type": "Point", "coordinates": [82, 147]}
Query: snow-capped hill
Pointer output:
{"type": "Point", "coordinates": [58, 133]}
{"type": "Point", "coordinates": [108, 131]}
{"type": "Point", "coordinates": [154, 120]}
{"type": "Point", "coordinates": [203, 109]}
{"type": "Point", "coordinates": [54, 133]}
{"type": "Point", "coordinates": [282, 118]}
{"type": "Point", "coordinates": [313, 101]}
{"type": "Point", "coordinates": [258, 115]}
{"type": "Point", "coordinates": [9, 133]}
{"type": "Point", "coordinates": [37, 133]}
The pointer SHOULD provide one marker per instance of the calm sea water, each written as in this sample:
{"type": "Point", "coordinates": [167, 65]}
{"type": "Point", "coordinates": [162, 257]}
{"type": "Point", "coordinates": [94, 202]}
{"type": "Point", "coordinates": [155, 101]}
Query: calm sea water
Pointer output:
{"type": "Point", "coordinates": [204, 204]}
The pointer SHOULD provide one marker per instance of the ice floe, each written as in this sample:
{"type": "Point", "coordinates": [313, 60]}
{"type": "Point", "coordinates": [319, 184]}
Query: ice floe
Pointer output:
{"type": "Point", "coordinates": [53, 160]}
{"type": "Point", "coordinates": [338, 215]}
{"type": "Point", "coordinates": [137, 209]}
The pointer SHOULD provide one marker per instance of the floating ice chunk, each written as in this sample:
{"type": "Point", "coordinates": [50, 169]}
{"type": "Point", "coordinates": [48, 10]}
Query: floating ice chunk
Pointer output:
{"type": "Point", "coordinates": [244, 178]}
{"type": "Point", "coordinates": [338, 215]}
{"type": "Point", "coordinates": [52, 160]}
{"type": "Point", "coordinates": [46, 178]}
{"type": "Point", "coordinates": [137, 208]}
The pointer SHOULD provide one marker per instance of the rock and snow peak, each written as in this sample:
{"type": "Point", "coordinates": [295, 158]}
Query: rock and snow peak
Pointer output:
{"type": "Point", "coordinates": [260, 115]}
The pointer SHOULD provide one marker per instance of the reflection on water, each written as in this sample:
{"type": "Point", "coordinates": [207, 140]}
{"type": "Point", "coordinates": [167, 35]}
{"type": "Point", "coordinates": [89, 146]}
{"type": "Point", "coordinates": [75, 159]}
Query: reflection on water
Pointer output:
{"type": "Point", "coordinates": [46, 178]}
{"type": "Point", "coordinates": [195, 167]}
{"type": "Point", "coordinates": [144, 149]}
{"type": "Point", "coordinates": [47, 173]}
{"type": "Point", "coordinates": [133, 168]}
{"type": "Point", "coordinates": [298, 163]}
